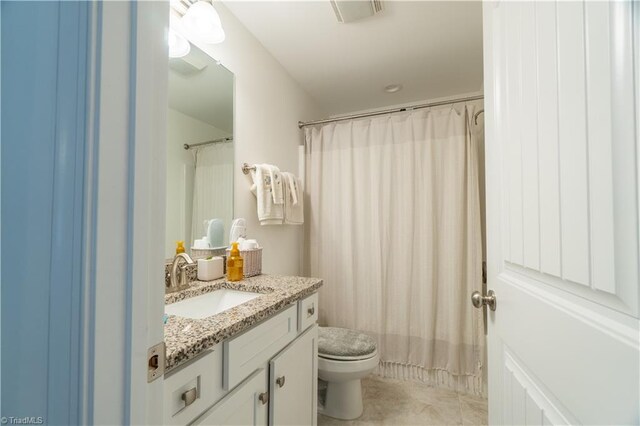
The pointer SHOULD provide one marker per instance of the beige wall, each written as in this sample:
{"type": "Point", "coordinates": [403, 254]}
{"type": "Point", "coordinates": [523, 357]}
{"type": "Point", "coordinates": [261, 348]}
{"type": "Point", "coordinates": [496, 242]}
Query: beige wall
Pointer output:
{"type": "Point", "coordinates": [268, 105]}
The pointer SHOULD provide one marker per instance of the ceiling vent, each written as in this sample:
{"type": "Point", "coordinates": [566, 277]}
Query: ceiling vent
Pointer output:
{"type": "Point", "coordinates": [353, 10]}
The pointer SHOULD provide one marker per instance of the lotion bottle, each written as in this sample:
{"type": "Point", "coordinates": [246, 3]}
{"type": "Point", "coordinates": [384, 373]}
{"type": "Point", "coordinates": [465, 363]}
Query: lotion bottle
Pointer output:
{"type": "Point", "coordinates": [235, 264]}
{"type": "Point", "coordinates": [179, 247]}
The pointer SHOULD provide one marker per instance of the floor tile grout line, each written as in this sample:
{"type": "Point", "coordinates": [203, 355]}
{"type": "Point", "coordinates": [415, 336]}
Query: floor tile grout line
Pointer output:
{"type": "Point", "coordinates": [460, 408]}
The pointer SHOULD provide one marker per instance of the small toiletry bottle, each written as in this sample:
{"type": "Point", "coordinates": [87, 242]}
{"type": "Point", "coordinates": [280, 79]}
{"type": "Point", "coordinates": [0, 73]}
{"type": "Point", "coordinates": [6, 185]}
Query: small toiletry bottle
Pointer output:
{"type": "Point", "coordinates": [234, 264]}
{"type": "Point", "coordinates": [179, 247]}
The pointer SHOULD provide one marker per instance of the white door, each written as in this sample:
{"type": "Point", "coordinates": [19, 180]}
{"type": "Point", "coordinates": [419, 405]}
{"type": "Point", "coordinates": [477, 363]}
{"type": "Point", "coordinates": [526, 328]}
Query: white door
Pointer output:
{"type": "Point", "coordinates": [562, 105]}
{"type": "Point", "coordinates": [83, 151]}
{"type": "Point", "coordinates": [292, 385]}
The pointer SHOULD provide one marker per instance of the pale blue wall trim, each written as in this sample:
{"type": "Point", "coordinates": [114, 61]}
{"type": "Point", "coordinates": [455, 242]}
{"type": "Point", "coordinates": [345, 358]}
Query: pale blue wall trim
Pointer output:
{"type": "Point", "coordinates": [131, 164]}
{"type": "Point", "coordinates": [68, 206]}
{"type": "Point", "coordinates": [43, 84]}
{"type": "Point", "coordinates": [28, 106]}
{"type": "Point", "coordinates": [0, 203]}
{"type": "Point", "coordinates": [90, 325]}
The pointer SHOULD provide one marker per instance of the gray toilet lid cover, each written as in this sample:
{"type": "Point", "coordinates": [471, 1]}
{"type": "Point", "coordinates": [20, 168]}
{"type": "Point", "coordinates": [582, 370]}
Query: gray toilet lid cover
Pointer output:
{"type": "Point", "coordinates": [342, 342]}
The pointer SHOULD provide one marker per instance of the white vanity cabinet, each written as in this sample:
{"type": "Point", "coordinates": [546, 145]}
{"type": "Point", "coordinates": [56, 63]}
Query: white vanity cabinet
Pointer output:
{"type": "Point", "coordinates": [267, 375]}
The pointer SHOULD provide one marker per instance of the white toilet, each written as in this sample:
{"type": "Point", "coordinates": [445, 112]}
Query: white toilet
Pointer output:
{"type": "Point", "coordinates": [344, 357]}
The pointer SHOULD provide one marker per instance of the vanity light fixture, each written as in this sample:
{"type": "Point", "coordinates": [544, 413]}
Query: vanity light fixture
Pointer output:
{"type": "Point", "coordinates": [204, 22]}
{"type": "Point", "coordinates": [178, 45]}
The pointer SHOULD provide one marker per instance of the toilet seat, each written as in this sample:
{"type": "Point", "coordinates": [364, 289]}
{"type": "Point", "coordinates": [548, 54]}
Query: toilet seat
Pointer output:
{"type": "Point", "coordinates": [348, 358]}
{"type": "Point", "coordinates": [343, 344]}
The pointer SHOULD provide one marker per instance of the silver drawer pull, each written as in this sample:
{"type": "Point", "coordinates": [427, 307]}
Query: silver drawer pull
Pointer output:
{"type": "Point", "coordinates": [280, 381]}
{"type": "Point", "coordinates": [264, 397]}
{"type": "Point", "coordinates": [189, 396]}
{"type": "Point", "coordinates": [310, 311]}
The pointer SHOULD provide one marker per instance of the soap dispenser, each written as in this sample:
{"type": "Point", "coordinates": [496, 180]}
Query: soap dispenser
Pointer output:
{"type": "Point", "coordinates": [179, 247]}
{"type": "Point", "coordinates": [235, 263]}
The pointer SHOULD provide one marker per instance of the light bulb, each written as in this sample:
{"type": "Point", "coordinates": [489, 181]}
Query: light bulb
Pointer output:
{"type": "Point", "coordinates": [203, 20]}
{"type": "Point", "coordinates": [178, 45]}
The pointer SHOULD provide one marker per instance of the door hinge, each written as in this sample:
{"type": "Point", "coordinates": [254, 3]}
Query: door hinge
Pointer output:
{"type": "Point", "coordinates": [156, 357]}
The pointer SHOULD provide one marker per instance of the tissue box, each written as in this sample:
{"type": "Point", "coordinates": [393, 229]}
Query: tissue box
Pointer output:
{"type": "Point", "coordinates": [252, 264]}
{"type": "Point", "coordinates": [210, 269]}
{"type": "Point", "coordinates": [197, 253]}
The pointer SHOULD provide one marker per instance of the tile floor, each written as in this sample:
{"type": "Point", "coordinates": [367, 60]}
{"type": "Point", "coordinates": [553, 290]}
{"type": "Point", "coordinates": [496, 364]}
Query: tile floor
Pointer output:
{"type": "Point", "coordinates": [405, 403]}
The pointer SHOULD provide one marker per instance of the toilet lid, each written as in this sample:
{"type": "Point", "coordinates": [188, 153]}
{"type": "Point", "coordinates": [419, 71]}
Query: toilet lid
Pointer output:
{"type": "Point", "coordinates": [342, 343]}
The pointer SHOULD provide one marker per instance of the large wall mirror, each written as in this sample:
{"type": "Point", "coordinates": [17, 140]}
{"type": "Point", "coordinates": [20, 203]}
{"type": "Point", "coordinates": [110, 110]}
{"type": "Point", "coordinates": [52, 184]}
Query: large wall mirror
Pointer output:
{"type": "Point", "coordinates": [200, 152]}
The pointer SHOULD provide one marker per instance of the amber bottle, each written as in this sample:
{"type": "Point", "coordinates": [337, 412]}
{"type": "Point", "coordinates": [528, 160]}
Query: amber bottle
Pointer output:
{"type": "Point", "coordinates": [179, 247]}
{"type": "Point", "coordinates": [235, 264]}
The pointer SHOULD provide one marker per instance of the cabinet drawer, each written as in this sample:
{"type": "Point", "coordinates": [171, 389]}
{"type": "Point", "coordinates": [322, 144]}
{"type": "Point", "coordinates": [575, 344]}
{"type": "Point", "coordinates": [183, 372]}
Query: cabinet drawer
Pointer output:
{"type": "Point", "coordinates": [308, 312]}
{"type": "Point", "coordinates": [252, 349]}
{"type": "Point", "coordinates": [201, 378]}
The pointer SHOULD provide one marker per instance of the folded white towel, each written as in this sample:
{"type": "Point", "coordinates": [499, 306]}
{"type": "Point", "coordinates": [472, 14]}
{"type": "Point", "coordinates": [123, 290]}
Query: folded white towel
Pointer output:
{"type": "Point", "coordinates": [277, 190]}
{"type": "Point", "coordinates": [269, 213]}
{"type": "Point", "coordinates": [293, 200]}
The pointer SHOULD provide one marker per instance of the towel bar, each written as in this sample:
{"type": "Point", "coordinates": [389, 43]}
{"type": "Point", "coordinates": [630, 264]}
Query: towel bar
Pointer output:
{"type": "Point", "coordinates": [246, 168]}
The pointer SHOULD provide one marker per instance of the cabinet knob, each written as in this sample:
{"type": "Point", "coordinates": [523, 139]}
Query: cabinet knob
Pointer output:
{"type": "Point", "coordinates": [189, 396]}
{"type": "Point", "coordinates": [311, 310]}
{"type": "Point", "coordinates": [264, 397]}
{"type": "Point", "coordinates": [280, 381]}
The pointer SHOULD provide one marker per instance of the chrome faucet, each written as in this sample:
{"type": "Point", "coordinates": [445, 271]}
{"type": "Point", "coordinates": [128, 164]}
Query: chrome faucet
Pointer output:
{"type": "Point", "coordinates": [176, 283]}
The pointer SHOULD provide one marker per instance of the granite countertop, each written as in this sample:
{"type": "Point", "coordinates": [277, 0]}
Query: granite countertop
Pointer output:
{"type": "Point", "coordinates": [186, 338]}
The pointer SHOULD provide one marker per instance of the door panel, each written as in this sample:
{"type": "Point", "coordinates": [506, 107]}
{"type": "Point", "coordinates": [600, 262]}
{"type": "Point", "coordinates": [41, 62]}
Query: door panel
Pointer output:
{"type": "Point", "coordinates": [575, 354]}
{"type": "Point", "coordinates": [562, 212]}
{"type": "Point", "coordinates": [293, 401]}
{"type": "Point", "coordinates": [525, 402]}
{"type": "Point", "coordinates": [567, 134]}
{"type": "Point", "coordinates": [530, 178]}
{"type": "Point", "coordinates": [547, 113]}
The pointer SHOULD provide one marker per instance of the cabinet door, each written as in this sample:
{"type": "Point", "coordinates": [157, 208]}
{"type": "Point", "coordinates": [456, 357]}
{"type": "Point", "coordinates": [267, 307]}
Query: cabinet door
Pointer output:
{"type": "Point", "coordinates": [242, 406]}
{"type": "Point", "coordinates": [293, 382]}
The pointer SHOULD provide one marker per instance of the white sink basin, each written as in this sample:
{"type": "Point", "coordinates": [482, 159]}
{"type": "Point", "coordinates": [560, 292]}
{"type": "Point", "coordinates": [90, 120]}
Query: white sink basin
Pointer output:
{"type": "Point", "coordinates": [209, 304]}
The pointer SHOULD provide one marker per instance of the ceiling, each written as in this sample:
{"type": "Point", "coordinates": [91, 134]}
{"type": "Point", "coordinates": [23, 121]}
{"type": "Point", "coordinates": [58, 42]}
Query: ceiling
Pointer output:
{"type": "Point", "coordinates": [201, 88]}
{"type": "Point", "coordinates": [432, 48]}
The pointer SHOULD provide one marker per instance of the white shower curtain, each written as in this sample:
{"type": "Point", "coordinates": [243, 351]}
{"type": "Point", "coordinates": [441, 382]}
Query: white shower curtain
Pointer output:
{"type": "Point", "coordinates": [212, 187]}
{"type": "Point", "coordinates": [394, 231]}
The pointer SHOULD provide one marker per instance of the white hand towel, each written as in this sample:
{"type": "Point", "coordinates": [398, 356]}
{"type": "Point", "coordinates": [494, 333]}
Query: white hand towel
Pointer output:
{"type": "Point", "coordinates": [277, 190]}
{"type": "Point", "coordinates": [269, 213]}
{"type": "Point", "coordinates": [293, 200]}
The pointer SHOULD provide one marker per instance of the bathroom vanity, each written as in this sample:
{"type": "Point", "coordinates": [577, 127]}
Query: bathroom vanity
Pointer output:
{"type": "Point", "coordinates": [252, 362]}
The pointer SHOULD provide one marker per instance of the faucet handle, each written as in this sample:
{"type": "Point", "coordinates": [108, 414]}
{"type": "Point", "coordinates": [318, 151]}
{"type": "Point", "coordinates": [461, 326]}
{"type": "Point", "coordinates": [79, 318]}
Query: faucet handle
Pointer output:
{"type": "Point", "coordinates": [180, 261]}
{"type": "Point", "coordinates": [183, 275]}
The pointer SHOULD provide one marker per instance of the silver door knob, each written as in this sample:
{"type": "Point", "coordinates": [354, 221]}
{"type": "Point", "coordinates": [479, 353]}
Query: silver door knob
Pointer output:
{"type": "Point", "coordinates": [479, 300]}
{"type": "Point", "coordinates": [280, 381]}
{"type": "Point", "coordinates": [264, 397]}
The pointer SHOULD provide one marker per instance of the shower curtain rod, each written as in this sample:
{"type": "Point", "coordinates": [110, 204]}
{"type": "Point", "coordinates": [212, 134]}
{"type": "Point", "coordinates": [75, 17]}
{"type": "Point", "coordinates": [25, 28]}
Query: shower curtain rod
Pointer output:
{"type": "Point", "coordinates": [221, 140]}
{"type": "Point", "coordinates": [302, 124]}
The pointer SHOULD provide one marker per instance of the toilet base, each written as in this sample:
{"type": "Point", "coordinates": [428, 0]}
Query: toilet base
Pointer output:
{"type": "Point", "coordinates": [343, 400]}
